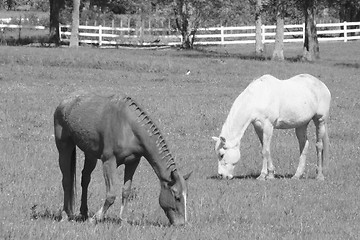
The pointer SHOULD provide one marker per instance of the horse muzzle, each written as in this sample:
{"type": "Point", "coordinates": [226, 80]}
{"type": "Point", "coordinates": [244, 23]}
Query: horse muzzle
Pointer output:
{"type": "Point", "coordinates": [226, 177]}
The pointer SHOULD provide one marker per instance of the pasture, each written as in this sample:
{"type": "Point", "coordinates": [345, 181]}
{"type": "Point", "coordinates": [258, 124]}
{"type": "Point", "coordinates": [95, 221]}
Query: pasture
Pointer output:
{"type": "Point", "coordinates": [189, 110]}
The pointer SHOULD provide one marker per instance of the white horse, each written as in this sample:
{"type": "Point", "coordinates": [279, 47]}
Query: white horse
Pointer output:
{"type": "Point", "coordinates": [270, 103]}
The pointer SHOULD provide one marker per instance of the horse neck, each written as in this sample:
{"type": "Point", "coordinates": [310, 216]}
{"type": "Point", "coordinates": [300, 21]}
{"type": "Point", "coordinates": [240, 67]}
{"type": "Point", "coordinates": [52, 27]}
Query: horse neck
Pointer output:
{"type": "Point", "coordinates": [238, 120]}
{"type": "Point", "coordinates": [156, 150]}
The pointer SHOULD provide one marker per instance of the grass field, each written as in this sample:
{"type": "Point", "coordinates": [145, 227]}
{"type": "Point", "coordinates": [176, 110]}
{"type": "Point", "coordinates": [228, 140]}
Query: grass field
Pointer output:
{"type": "Point", "coordinates": [189, 110]}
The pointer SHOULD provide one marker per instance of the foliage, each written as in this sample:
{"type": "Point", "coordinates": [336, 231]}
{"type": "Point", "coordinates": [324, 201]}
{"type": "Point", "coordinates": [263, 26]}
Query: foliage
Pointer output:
{"type": "Point", "coordinates": [42, 5]}
{"type": "Point", "coordinates": [348, 10]}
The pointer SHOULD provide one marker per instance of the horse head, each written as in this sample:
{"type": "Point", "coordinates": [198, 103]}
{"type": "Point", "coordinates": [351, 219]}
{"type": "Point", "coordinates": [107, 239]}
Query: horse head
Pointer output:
{"type": "Point", "coordinates": [228, 155]}
{"type": "Point", "coordinates": [173, 197]}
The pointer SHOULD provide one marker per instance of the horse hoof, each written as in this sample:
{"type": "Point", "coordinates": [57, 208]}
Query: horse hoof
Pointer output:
{"type": "Point", "coordinates": [65, 217]}
{"type": "Point", "coordinates": [83, 217]}
{"type": "Point", "coordinates": [297, 177]}
{"type": "Point", "coordinates": [320, 177]}
{"type": "Point", "coordinates": [271, 175]}
{"type": "Point", "coordinates": [261, 177]}
{"type": "Point", "coordinates": [123, 221]}
{"type": "Point", "coordinates": [93, 220]}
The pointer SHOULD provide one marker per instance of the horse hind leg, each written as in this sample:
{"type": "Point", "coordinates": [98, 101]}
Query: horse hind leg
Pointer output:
{"type": "Point", "coordinates": [301, 134]}
{"type": "Point", "coordinates": [322, 145]}
{"type": "Point", "coordinates": [67, 163]}
{"type": "Point", "coordinates": [89, 166]}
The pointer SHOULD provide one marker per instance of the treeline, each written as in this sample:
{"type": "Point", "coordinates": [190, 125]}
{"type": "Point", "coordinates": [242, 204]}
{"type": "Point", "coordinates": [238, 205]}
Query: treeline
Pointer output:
{"type": "Point", "coordinates": [25, 5]}
{"type": "Point", "coordinates": [219, 12]}
{"type": "Point", "coordinates": [207, 12]}
{"type": "Point", "coordinates": [189, 15]}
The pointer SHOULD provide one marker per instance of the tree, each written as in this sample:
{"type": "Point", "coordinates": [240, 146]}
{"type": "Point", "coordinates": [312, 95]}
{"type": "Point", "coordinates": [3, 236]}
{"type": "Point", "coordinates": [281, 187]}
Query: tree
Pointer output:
{"type": "Point", "coordinates": [74, 39]}
{"type": "Point", "coordinates": [187, 18]}
{"type": "Point", "coordinates": [311, 50]}
{"type": "Point", "coordinates": [348, 10]}
{"type": "Point", "coordinates": [278, 53]}
{"type": "Point", "coordinates": [259, 47]}
{"type": "Point", "coordinates": [191, 14]}
{"type": "Point", "coordinates": [55, 7]}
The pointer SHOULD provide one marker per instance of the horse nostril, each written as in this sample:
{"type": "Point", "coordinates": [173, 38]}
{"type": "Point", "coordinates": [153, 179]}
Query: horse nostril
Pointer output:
{"type": "Point", "coordinates": [229, 177]}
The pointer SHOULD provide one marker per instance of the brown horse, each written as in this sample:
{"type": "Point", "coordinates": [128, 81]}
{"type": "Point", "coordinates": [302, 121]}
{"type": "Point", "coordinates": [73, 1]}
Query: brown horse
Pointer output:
{"type": "Point", "coordinates": [116, 130]}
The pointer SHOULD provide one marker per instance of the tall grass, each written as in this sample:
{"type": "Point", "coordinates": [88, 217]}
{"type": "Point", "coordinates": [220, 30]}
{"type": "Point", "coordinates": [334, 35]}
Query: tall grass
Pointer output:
{"type": "Point", "coordinates": [188, 109]}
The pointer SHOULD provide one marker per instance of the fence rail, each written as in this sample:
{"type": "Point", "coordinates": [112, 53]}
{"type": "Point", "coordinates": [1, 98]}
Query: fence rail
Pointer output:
{"type": "Point", "coordinates": [100, 35]}
{"type": "Point", "coordinates": [207, 36]}
{"type": "Point", "coordinates": [14, 26]}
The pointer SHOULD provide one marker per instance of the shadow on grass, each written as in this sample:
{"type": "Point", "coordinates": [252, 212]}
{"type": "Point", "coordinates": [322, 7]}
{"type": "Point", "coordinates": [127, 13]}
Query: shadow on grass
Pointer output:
{"type": "Point", "coordinates": [204, 53]}
{"type": "Point", "coordinates": [145, 222]}
{"type": "Point", "coordinates": [53, 215]}
{"type": "Point", "coordinates": [347, 65]}
{"type": "Point", "coordinates": [57, 216]}
{"type": "Point", "coordinates": [253, 176]}
{"type": "Point", "coordinates": [45, 214]}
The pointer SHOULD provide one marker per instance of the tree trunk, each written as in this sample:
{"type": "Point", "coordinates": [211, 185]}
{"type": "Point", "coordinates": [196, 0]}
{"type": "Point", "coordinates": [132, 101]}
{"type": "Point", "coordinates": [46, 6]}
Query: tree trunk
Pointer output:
{"type": "Point", "coordinates": [74, 39]}
{"type": "Point", "coordinates": [187, 43]}
{"type": "Point", "coordinates": [278, 53]}
{"type": "Point", "coordinates": [311, 50]}
{"type": "Point", "coordinates": [182, 23]}
{"type": "Point", "coordinates": [259, 47]}
{"type": "Point", "coordinates": [55, 7]}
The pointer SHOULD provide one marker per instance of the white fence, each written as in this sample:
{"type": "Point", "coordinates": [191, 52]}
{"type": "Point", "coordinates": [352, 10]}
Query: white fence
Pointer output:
{"type": "Point", "coordinates": [101, 35]}
{"type": "Point", "coordinates": [14, 26]}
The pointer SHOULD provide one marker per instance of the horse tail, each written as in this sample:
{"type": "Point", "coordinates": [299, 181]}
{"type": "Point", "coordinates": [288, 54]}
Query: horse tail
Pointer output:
{"type": "Point", "coordinates": [73, 178]}
{"type": "Point", "coordinates": [326, 146]}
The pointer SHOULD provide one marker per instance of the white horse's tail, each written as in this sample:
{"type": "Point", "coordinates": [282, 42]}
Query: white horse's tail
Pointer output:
{"type": "Point", "coordinates": [326, 146]}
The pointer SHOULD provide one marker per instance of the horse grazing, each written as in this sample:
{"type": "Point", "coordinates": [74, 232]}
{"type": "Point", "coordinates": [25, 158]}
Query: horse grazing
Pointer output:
{"type": "Point", "coordinates": [269, 103]}
{"type": "Point", "coordinates": [116, 130]}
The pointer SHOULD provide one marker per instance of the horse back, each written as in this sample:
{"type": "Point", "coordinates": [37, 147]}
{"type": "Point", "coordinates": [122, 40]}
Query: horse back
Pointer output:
{"type": "Point", "coordinates": [97, 124]}
{"type": "Point", "coordinates": [289, 103]}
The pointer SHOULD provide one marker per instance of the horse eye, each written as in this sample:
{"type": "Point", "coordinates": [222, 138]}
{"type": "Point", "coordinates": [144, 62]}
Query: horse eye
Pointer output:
{"type": "Point", "coordinates": [221, 156]}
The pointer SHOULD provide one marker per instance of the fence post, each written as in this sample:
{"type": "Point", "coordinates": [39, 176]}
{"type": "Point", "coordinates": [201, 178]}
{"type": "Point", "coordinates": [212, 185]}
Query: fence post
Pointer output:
{"type": "Point", "coordinates": [112, 26]}
{"type": "Point", "coordinates": [263, 34]}
{"type": "Point", "coordinates": [100, 35]}
{"type": "Point", "coordinates": [345, 31]}
{"type": "Point", "coordinates": [303, 30]}
{"type": "Point", "coordinates": [222, 35]}
{"type": "Point", "coordinates": [59, 32]}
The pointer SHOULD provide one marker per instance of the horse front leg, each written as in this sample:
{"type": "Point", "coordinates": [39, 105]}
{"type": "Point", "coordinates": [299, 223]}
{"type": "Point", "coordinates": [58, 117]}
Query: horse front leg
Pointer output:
{"type": "Point", "coordinates": [128, 176]}
{"type": "Point", "coordinates": [89, 166]}
{"type": "Point", "coordinates": [301, 134]}
{"type": "Point", "coordinates": [109, 171]}
{"type": "Point", "coordinates": [264, 132]}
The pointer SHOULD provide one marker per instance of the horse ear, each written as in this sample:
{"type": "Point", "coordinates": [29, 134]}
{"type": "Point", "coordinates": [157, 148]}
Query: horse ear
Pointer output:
{"type": "Point", "coordinates": [186, 176]}
{"type": "Point", "coordinates": [215, 139]}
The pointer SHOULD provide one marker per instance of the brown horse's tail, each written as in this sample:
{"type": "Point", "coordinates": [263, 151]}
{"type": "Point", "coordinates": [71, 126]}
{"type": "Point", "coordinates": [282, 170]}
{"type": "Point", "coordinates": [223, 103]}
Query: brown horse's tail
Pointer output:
{"type": "Point", "coordinates": [73, 178]}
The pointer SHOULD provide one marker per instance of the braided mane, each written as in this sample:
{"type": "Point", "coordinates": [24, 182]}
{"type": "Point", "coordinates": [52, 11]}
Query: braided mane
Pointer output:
{"type": "Point", "coordinates": [153, 130]}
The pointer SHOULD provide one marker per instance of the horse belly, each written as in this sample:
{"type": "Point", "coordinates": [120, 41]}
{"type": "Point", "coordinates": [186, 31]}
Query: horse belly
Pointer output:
{"type": "Point", "coordinates": [82, 122]}
{"type": "Point", "coordinates": [87, 138]}
{"type": "Point", "coordinates": [295, 114]}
